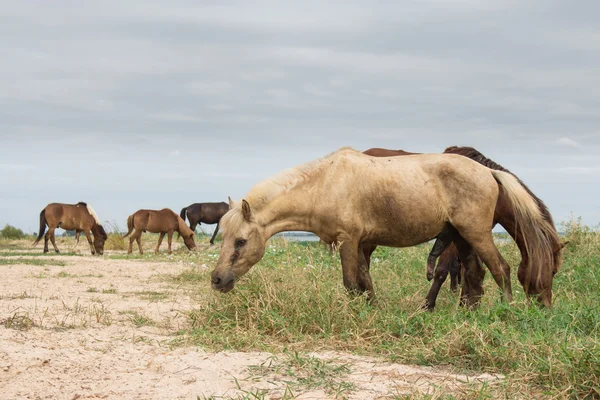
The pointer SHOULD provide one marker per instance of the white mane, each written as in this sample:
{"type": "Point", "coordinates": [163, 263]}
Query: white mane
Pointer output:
{"type": "Point", "coordinates": [263, 192]}
{"type": "Point", "coordinates": [93, 214]}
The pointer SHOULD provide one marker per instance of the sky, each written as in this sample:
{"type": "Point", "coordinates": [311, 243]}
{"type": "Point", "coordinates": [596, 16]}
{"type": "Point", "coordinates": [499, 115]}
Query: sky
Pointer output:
{"type": "Point", "coordinates": [151, 104]}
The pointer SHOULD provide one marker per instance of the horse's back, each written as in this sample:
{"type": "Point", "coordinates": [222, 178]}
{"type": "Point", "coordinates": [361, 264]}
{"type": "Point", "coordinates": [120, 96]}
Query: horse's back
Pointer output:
{"type": "Point", "coordinates": [395, 196]}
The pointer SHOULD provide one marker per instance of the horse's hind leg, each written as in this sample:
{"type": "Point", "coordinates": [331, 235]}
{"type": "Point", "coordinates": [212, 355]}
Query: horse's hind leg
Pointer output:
{"type": "Point", "coordinates": [77, 233]}
{"type": "Point", "coordinates": [212, 239]}
{"type": "Point", "coordinates": [46, 238]}
{"type": "Point", "coordinates": [483, 244]}
{"type": "Point", "coordinates": [160, 239]}
{"type": "Point", "coordinates": [131, 239]}
{"type": "Point", "coordinates": [472, 273]}
{"type": "Point", "coordinates": [442, 242]}
{"type": "Point", "coordinates": [89, 239]}
{"type": "Point", "coordinates": [138, 239]}
{"type": "Point", "coordinates": [53, 239]}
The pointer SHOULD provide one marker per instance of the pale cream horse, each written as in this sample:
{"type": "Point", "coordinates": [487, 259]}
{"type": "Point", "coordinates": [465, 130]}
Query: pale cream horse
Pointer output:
{"type": "Point", "coordinates": [354, 200]}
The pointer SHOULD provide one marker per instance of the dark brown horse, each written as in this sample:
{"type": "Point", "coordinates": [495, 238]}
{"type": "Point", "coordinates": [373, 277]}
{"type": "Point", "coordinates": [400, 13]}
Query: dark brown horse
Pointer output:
{"type": "Point", "coordinates": [208, 213]}
{"type": "Point", "coordinates": [539, 261]}
{"type": "Point", "coordinates": [80, 217]}
{"type": "Point", "coordinates": [163, 221]}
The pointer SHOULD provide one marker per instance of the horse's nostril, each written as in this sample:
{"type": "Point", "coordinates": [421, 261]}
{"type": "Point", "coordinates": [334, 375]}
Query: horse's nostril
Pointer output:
{"type": "Point", "coordinates": [216, 281]}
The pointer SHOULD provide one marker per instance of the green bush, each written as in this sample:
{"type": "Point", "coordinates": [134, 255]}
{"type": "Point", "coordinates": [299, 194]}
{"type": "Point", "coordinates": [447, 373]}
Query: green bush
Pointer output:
{"type": "Point", "coordinates": [10, 232]}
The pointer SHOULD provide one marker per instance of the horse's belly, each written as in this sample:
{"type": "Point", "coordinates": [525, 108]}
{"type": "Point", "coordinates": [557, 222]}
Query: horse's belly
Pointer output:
{"type": "Point", "coordinates": [404, 235]}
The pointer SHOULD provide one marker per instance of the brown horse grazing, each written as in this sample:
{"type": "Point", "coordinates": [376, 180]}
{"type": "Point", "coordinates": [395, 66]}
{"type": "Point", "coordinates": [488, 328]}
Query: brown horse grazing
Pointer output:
{"type": "Point", "coordinates": [164, 221]}
{"type": "Point", "coordinates": [80, 217]}
{"type": "Point", "coordinates": [208, 213]}
{"type": "Point", "coordinates": [539, 261]}
{"type": "Point", "coordinates": [357, 201]}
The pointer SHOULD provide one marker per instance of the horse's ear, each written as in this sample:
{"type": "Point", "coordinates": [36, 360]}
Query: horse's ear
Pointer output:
{"type": "Point", "coordinates": [246, 211]}
{"type": "Point", "coordinates": [563, 245]}
{"type": "Point", "coordinates": [230, 202]}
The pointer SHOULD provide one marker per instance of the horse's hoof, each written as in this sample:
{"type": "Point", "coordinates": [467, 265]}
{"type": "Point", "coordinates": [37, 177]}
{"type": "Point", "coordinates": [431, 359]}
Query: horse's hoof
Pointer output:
{"type": "Point", "coordinates": [429, 276]}
{"type": "Point", "coordinates": [428, 306]}
{"type": "Point", "coordinates": [212, 242]}
{"type": "Point", "coordinates": [57, 251]}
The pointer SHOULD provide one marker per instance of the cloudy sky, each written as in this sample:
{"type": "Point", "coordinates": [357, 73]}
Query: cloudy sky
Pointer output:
{"type": "Point", "coordinates": [150, 104]}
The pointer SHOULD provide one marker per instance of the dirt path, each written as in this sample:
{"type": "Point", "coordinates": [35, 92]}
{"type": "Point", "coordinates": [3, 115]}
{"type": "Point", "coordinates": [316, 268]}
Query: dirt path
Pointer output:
{"type": "Point", "coordinates": [88, 327]}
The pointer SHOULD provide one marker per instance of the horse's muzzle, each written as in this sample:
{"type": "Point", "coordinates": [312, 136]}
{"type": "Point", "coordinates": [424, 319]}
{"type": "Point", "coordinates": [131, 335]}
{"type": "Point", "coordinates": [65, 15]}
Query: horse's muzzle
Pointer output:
{"type": "Point", "coordinates": [222, 285]}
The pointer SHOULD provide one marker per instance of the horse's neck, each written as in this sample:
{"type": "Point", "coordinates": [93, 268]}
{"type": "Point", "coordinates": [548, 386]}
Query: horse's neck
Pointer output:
{"type": "Point", "coordinates": [288, 212]}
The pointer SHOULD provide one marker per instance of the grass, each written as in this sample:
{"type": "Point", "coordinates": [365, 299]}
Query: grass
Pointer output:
{"type": "Point", "coordinates": [115, 239]}
{"type": "Point", "coordinates": [294, 299]}
{"type": "Point", "coordinates": [294, 302]}
{"type": "Point", "coordinates": [30, 261]}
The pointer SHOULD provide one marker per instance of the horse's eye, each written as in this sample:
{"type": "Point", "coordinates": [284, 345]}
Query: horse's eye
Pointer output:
{"type": "Point", "coordinates": [240, 242]}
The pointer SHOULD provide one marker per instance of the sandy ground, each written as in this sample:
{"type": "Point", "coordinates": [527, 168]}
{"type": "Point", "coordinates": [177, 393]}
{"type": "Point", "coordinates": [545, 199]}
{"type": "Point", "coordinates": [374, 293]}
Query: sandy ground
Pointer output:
{"type": "Point", "coordinates": [76, 331]}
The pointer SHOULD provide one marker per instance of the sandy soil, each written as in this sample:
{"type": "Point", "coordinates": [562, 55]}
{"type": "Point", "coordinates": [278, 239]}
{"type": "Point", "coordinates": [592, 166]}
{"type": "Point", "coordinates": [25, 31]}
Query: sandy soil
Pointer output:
{"type": "Point", "coordinates": [76, 331]}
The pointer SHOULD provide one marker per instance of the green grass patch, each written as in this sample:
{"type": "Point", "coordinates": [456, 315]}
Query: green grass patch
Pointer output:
{"type": "Point", "coordinates": [31, 261]}
{"type": "Point", "coordinates": [152, 296]}
{"type": "Point", "coordinates": [294, 299]}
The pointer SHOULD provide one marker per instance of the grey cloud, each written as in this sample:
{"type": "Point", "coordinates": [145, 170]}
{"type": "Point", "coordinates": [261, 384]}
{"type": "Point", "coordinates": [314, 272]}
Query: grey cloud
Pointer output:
{"type": "Point", "coordinates": [98, 96]}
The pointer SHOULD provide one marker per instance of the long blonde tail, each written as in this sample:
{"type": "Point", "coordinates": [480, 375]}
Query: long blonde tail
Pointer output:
{"type": "Point", "coordinates": [536, 231]}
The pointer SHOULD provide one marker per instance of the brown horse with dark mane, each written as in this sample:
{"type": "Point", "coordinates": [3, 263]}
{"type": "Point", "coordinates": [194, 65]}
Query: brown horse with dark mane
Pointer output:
{"type": "Point", "coordinates": [540, 260]}
{"type": "Point", "coordinates": [208, 213]}
{"type": "Point", "coordinates": [163, 221]}
{"type": "Point", "coordinates": [79, 217]}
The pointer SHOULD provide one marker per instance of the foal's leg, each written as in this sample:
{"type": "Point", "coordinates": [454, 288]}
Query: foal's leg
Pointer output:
{"type": "Point", "coordinates": [483, 244]}
{"type": "Point", "coordinates": [169, 239]}
{"type": "Point", "coordinates": [212, 239]}
{"type": "Point", "coordinates": [472, 273]}
{"type": "Point", "coordinates": [442, 242]}
{"type": "Point", "coordinates": [160, 239]}
{"type": "Point", "coordinates": [454, 275]}
{"type": "Point", "coordinates": [89, 239]}
{"type": "Point", "coordinates": [53, 239]}
{"type": "Point", "coordinates": [441, 273]}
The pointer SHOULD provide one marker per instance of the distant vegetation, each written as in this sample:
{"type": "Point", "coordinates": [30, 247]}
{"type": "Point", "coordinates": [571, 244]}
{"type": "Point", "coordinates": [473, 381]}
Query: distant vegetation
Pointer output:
{"type": "Point", "coordinates": [10, 232]}
{"type": "Point", "coordinates": [115, 240]}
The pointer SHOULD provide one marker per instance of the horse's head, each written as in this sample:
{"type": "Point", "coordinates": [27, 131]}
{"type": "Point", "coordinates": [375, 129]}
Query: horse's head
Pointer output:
{"type": "Point", "coordinates": [100, 237]}
{"type": "Point", "coordinates": [186, 233]}
{"type": "Point", "coordinates": [243, 246]}
{"type": "Point", "coordinates": [189, 241]}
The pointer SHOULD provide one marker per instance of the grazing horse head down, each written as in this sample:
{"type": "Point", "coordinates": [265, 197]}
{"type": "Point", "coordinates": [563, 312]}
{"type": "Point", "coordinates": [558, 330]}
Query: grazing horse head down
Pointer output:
{"type": "Point", "coordinates": [243, 249]}
{"type": "Point", "coordinates": [79, 217]}
{"type": "Point", "coordinates": [359, 201]}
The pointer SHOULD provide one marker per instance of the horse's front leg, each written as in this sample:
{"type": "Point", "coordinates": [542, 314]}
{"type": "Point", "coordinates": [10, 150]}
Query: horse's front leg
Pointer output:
{"type": "Point", "coordinates": [350, 267]}
{"type": "Point", "coordinates": [169, 239]}
{"type": "Point", "coordinates": [89, 239]}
